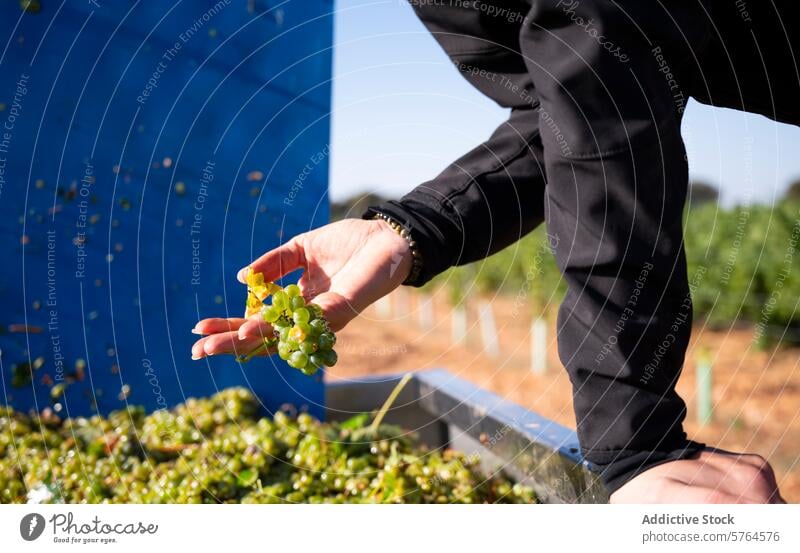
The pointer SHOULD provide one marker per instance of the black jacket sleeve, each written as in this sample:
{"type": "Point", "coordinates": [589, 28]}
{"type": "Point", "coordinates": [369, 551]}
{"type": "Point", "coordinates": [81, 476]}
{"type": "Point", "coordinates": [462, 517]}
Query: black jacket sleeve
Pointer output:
{"type": "Point", "coordinates": [486, 200]}
{"type": "Point", "coordinates": [493, 195]}
{"type": "Point", "coordinates": [605, 132]}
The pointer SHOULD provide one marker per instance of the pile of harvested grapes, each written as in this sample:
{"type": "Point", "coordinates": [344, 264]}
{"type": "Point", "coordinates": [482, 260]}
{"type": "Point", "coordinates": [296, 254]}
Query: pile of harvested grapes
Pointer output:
{"type": "Point", "coordinates": [217, 450]}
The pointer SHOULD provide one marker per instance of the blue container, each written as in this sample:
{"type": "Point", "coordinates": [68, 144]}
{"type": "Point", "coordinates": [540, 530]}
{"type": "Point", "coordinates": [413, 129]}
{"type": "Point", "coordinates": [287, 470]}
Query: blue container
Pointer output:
{"type": "Point", "coordinates": [148, 150]}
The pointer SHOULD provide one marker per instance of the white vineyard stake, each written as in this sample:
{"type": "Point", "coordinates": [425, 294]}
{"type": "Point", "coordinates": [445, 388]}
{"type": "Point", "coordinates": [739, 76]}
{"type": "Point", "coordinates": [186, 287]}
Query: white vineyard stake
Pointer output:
{"type": "Point", "coordinates": [400, 303]}
{"type": "Point", "coordinates": [425, 312]}
{"type": "Point", "coordinates": [539, 346]}
{"type": "Point", "coordinates": [489, 331]}
{"type": "Point", "coordinates": [704, 390]}
{"type": "Point", "coordinates": [459, 317]}
{"type": "Point", "coordinates": [384, 307]}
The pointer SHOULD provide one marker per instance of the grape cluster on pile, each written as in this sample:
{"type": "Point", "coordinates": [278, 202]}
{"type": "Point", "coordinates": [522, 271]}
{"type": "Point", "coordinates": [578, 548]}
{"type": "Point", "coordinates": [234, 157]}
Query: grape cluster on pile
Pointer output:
{"type": "Point", "coordinates": [217, 450]}
{"type": "Point", "coordinates": [302, 336]}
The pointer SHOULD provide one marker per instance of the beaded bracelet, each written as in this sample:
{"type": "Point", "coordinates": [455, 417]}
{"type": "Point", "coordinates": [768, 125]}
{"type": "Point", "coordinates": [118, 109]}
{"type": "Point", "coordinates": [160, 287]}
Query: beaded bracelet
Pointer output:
{"type": "Point", "coordinates": [416, 256]}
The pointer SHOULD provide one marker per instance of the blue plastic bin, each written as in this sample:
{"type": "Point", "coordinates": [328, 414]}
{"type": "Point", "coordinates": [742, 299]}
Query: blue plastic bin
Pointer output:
{"type": "Point", "coordinates": [148, 150]}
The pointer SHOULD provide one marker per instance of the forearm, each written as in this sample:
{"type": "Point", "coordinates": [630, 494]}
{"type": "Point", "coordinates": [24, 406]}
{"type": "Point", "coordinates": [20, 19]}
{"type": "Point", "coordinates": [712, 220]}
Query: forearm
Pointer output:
{"type": "Point", "coordinates": [493, 195]}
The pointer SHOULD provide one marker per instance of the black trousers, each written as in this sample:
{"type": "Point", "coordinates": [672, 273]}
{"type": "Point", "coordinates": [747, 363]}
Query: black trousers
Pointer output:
{"type": "Point", "coordinates": [597, 89]}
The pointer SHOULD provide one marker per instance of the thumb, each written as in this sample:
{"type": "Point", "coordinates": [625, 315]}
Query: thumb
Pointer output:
{"type": "Point", "coordinates": [276, 263]}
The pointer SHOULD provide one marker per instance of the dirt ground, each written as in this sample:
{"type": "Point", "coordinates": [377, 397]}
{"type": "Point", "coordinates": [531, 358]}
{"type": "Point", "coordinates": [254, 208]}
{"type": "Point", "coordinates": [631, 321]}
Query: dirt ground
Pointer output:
{"type": "Point", "coordinates": [756, 394]}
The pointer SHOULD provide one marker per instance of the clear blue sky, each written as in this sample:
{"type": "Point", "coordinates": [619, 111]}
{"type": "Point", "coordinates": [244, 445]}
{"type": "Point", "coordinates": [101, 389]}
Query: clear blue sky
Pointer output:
{"type": "Point", "coordinates": [402, 113]}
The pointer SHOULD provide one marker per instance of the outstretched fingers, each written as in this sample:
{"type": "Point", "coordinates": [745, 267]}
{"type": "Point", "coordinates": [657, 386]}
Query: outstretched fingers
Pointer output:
{"type": "Point", "coordinates": [217, 325]}
{"type": "Point", "coordinates": [255, 328]}
{"type": "Point", "coordinates": [225, 343]}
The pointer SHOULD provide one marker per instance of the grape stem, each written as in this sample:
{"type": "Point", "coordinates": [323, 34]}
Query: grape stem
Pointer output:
{"type": "Point", "coordinates": [249, 356]}
{"type": "Point", "coordinates": [389, 401]}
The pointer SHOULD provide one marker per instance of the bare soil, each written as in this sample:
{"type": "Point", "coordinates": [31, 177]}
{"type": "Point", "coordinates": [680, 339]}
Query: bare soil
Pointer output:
{"type": "Point", "coordinates": [756, 394]}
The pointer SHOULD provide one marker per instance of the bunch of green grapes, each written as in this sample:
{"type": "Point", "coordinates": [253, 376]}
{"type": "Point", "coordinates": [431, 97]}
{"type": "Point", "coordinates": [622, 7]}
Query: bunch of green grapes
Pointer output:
{"type": "Point", "coordinates": [301, 334]}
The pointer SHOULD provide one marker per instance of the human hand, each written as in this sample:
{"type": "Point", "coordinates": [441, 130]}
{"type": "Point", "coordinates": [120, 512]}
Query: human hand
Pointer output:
{"type": "Point", "coordinates": [346, 265]}
{"type": "Point", "coordinates": [712, 476]}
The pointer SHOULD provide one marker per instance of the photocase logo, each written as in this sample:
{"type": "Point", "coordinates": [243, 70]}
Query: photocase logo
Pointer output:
{"type": "Point", "coordinates": [31, 526]}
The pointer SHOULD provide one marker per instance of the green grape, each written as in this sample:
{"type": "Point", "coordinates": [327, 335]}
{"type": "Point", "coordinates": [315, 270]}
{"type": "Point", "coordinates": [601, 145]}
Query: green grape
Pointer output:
{"type": "Point", "coordinates": [305, 328]}
{"type": "Point", "coordinates": [327, 340]}
{"type": "Point", "coordinates": [301, 315]}
{"type": "Point", "coordinates": [284, 350]}
{"type": "Point", "coordinates": [318, 326]}
{"type": "Point", "coordinates": [329, 357]}
{"type": "Point", "coordinates": [293, 345]}
{"type": "Point", "coordinates": [316, 360]}
{"type": "Point", "coordinates": [283, 333]}
{"type": "Point", "coordinates": [309, 370]}
{"type": "Point", "coordinates": [271, 314]}
{"type": "Point", "coordinates": [298, 302]}
{"type": "Point", "coordinates": [298, 360]}
{"type": "Point", "coordinates": [296, 335]}
{"type": "Point", "coordinates": [284, 321]}
{"type": "Point", "coordinates": [308, 347]}
{"type": "Point", "coordinates": [280, 299]}
{"type": "Point", "coordinates": [293, 290]}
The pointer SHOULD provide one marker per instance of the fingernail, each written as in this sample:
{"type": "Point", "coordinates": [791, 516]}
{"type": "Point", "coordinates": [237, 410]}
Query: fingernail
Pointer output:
{"type": "Point", "coordinates": [196, 357]}
{"type": "Point", "coordinates": [195, 331]}
{"type": "Point", "coordinates": [241, 276]}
